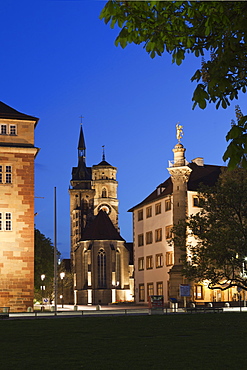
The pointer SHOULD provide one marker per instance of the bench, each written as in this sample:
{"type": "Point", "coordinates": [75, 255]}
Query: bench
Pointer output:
{"type": "Point", "coordinates": [204, 309]}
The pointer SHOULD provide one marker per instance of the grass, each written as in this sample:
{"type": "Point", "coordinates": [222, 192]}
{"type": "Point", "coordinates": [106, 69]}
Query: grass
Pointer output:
{"type": "Point", "coordinates": [198, 341]}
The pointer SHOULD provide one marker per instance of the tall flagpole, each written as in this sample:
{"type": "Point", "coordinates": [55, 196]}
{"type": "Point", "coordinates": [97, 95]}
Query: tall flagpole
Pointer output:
{"type": "Point", "coordinates": [55, 250]}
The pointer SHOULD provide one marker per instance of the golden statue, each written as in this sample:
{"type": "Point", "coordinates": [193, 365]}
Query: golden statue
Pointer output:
{"type": "Point", "coordinates": [179, 131]}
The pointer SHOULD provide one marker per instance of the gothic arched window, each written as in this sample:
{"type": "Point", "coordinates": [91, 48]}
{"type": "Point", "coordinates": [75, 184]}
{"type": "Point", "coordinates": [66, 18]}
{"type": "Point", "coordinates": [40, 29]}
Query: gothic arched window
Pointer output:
{"type": "Point", "coordinates": [101, 268]}
{"type": "Point", "coordinates": [118, 268]}
{"type": "Point", "coordinates": [104, 193]}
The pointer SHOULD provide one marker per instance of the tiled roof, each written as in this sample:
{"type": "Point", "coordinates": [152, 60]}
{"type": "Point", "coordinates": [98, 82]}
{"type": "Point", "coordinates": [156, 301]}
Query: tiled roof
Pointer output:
{"type": "Point", "coordinates": [103, 164]}
{"type": "Point", "coordinates": [10, 113]}
{"type": "Point", "coordinates": [206, 175]}
{"type": "Point", "coordinates": [101, 228]}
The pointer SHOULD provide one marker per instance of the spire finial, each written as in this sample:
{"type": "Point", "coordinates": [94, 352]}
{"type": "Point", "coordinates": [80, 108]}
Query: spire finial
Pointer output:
{"type": "Point", "coordinates": [103, 153]}
{"type": "Point", "coordinates": [81, 119]}
{"type": "Point", "coordinates": [179, 132]}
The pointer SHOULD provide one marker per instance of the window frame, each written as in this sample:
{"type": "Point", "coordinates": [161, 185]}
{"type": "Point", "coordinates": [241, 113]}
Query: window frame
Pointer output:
{"type": "Point", "coordinates": [159, 260]}
{"type": "Point", "coordinates": [158, 208]}
{"type": "Point", "coordinates": [141, 264]}
{"type": "Point", "coordinates": [140, 240]}
{"type": "Point", "coordinates": [149, 237]}
{"type": "Point", "coordinates": [141, 293]}
{"type": "Point", "coordinates": [168, 204]}
{"type": "Point", "coordinates": [169, 258]}
{"type": "Point", "coordinates": [158, 235]}
{"type": "Point", "coordinates": [149, 212]}
{"type": "Point", "coordinates": [149, 262]}
{"type": "Point", "coordinates": [140, 215]}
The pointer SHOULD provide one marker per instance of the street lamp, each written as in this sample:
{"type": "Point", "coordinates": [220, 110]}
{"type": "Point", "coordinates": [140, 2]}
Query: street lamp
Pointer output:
{"type": "Point", "coordinates": [42, 287]}
{"type": "Point", "coordinates": [62, 275]}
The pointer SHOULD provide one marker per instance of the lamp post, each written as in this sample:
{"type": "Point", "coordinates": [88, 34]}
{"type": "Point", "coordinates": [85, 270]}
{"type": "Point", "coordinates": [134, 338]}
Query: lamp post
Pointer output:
{"type": "Point", "coordinates": [62, 275]}
{"type": "Point", "coordinates": [42, 290]}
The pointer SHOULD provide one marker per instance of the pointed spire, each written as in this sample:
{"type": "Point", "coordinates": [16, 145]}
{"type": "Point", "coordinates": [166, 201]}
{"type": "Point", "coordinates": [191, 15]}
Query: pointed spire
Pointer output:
{"type": "Point", "coordinates": [103, 153]}
{"type": "Point", "coordinates": [81, 144]}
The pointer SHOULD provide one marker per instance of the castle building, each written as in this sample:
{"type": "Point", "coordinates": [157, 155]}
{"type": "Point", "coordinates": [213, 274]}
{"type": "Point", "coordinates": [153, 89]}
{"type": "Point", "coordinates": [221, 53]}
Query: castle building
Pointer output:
{"type": "Point", "coordinates": [101, 259]}
{"type": "Point", "coordinates": [17, 154]}
{"type": "Point", "coordinates": [157, 261]}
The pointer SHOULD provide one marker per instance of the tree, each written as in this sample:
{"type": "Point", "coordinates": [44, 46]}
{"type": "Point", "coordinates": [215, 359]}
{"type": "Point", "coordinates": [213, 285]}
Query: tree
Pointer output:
{"type": "Point", "coordinates": [43, 264]}
{"type": "Point", "coordinates": [216, 237]}
{"type": "Point", "coordinates": [216, 31]}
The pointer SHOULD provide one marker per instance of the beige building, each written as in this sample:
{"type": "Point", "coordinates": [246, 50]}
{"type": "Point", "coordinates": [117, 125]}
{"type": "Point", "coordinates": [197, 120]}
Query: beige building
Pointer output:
{"type": "Point", "coordinates": [101, 259]}
{"type": "Point", "coordinates": [157, 261]}
{"type": "Point", "coordinates": [17, 154]}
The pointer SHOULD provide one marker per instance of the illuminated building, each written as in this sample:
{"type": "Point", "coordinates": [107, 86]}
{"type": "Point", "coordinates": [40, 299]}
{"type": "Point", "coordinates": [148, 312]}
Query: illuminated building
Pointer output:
{"type": "Point", "coordinates": [157, 261]}
{"type": "Point", "coordinates": [17, 153]}
{"type": "Point", "coordinates": [101, 259]}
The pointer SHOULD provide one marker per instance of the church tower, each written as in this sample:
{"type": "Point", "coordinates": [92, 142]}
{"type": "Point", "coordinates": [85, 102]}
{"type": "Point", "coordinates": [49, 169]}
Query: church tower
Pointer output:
{"type": "Point", "coordinates": [100, 256]}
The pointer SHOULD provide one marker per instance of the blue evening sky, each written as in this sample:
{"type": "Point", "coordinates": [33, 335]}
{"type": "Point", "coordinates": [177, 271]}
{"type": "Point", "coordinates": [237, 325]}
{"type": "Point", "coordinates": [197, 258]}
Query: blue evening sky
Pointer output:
{"type": "Point", "coordinates": [58, 62]}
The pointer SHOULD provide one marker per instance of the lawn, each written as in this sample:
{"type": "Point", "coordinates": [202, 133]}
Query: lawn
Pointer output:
{"type": "Point", "coordinates": [192, 341]}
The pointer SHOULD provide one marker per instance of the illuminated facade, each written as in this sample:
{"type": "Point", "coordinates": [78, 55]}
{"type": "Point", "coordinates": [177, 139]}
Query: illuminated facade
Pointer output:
{"type": "Point", "coordinates": [157, 261]}
{"type": "Point", "coordinates": [17, 153]}
{"type": "Point", "coordinates": [101, 259]}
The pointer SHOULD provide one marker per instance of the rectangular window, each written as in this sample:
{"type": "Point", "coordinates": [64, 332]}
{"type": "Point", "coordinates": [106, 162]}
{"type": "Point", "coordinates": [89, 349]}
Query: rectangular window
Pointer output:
{"type": "Point", "coordinates": [149, 237]}
{"type": "Point", "coordinates": [149, 262]}
{"type": "Point", "coordinates": [1, 221]}
{"type": "Point", "coordinates": [196, 201]}
{"type": "Point", "coordinates": [8, 221]}
{"type": "Point", "coordinates": [141, 263]}
{"type": "Point", "coordinates": [140, 215]}
{"type": "Point", "coordinates": [4, 130]}
{"type": "Point", "coordinates": [198, 292]}
{"type": "Point", "coordinates": [150, 289]}
{"type": "Point", "coordinates": [159, 288]}
{"type": "Point", "coordinates": [8, 175]}
{"type": "Point", "coordinates": [141, 293]}
{"type": "Point", "coordinates": [1, 174]}
{"type": "Point", "coordinates": [169, 258]}
{"type": "Point", "coordinates": [158, 235]}
{"type": "Point", "coordinates": [12, 129]}
{"type": "Point", "coordinates": [149, 212]}
{"type": "Point", "coordinates": [168, 205]}
{"type": "Point", "coordinates": [140, 240]}
{"type": "Point", "coordinates": [169, 232]}
{"type": "Point", "coordinates": [157, 208]}
{"type": "Point", "coordinates": [159, 260]}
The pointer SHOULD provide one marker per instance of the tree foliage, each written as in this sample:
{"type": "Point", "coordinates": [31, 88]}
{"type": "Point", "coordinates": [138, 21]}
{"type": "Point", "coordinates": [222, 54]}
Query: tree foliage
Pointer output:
{"type": "Point", "coordinates": [216, 31]}
{"type": "Point", "coordinates": [43, 264]}
{"type": "Point", "coordinates": [217, 235]}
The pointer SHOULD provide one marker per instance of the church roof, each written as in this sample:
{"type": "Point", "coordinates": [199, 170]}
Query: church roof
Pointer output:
{"type": "Point", "coordinates": [10, 113]}
{"type": "Point", "coordinates": [103, 164]}
{"type": "Point", "coordinates": [206, 175]}
{"type": "Point", "coordinates": [101, 228]}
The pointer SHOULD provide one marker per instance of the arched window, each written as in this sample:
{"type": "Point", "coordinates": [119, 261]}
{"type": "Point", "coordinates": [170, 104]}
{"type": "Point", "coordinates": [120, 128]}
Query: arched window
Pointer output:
{"type": "Point", "coordinates": [101, 269]}
{"type": "Point", "coordinates": [118, 268]}
{"type": "Point", "coordinates": [104, 194]}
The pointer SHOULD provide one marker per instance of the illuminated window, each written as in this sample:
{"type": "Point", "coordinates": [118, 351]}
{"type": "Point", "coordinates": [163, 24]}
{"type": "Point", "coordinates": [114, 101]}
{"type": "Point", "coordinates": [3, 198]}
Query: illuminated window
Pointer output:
{"type": "Point", "coordinates": [5, 221]}
{"type": "Point", "coordinates": [3, 129]}
{"type": "Point", "coordinates": [198, 292]}
{"type": "Point", "coordinates": [141, 263]}
{"type": "Point", "coordinates": [149, 262]}
{"type": "Point", "coordinates": [101, 269]}
{"type": "Point", "coordinates": [141, 292]}
{"type": "Point", "coordinates": [140, 240]}
{"type": "Point", "coordinates": [168, 205]}
{"type": "Point", "coordinates": [159, 260]}
{"type": "Point", "coordinates": [12, 129]}
{"type": "Point", "coordinates": [158, 235]}
{"type": "Point", "coordinates": [150, 289]}
{"type": "Point", "coordinates": [159, 288]}
{"type": "Point", "coordinates": [157, 208]}
{"type": "Point", "coordinates": [118, 267]}
{"type": "Point", "coordinates": [169, 258]}
{"type": "Point", "coordinates": [169, 232]}
{"type": "Point", "coordinates": [140, 215]}
{"type": "Point", "coordinates": [149, 237]}
{"type": "Point", "coordinates": [149, 212]}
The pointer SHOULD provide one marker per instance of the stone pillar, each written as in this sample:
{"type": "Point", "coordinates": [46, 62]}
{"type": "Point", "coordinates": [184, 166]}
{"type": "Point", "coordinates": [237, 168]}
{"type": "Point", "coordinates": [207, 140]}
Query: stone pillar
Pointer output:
{"type": "Point", "coordinates": [180, 173]}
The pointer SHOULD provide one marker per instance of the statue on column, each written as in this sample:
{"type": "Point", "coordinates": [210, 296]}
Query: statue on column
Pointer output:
{"type": "Point", "coordinates": [179, 132]}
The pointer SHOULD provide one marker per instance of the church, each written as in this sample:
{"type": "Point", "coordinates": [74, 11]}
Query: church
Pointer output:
{"type": "Point", "coordinates": [157, 261]}
{"type": "Point", "coordinates": [102, 261]}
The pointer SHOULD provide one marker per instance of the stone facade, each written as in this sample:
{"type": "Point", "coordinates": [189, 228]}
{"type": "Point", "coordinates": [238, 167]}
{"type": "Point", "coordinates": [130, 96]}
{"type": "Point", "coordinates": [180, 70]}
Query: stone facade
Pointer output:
{"type": "Point", "coordinates": [101, 259]}
{"type": "Point", "coordinates": [17, 153]}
